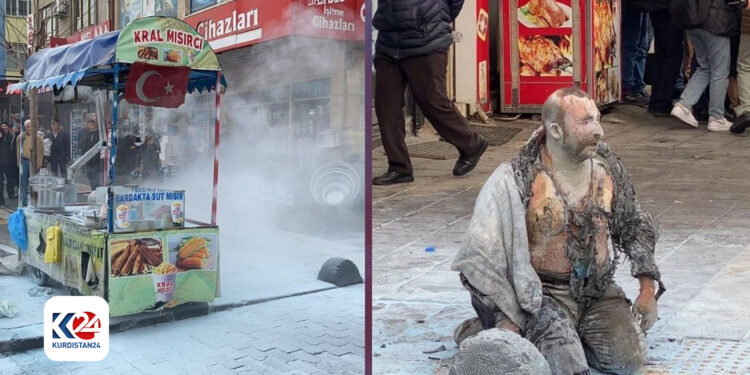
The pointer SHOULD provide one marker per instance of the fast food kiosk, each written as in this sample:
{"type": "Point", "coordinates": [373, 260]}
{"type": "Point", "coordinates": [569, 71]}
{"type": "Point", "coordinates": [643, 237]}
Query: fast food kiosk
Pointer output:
{"type": "Point", "coordinates": [132, 245]}
{"type": "Point", "coordinates": [549, 44]}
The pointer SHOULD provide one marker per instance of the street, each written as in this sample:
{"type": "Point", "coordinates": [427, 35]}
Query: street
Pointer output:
{"type": "Point", "coordinates": [318, 333]}
{"type": "Point", "coordinates": [696, 184]}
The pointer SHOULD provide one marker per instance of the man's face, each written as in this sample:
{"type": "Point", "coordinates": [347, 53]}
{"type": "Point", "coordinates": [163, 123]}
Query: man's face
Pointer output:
{"type": "Point", "coordinates": [92, 127]}
{"type": "Point", "coordinates": [27, 128]}
{"type": "Point", "coordinates": [581, 129]}
{"type": "Point", "coordinates": [55, 127]}
{"type": "Point", "coordinates": [16, 130]}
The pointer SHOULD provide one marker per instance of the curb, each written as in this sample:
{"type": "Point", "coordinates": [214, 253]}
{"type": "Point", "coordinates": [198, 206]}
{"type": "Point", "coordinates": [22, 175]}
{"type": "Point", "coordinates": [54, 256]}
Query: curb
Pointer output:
{"type": "Point", "coordinates": [184, 311]}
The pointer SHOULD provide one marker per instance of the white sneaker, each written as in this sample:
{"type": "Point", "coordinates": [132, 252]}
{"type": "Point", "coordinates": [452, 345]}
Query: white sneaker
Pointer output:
{"type": "Point", "coordinates": [684, 114]}
{"type": "Point", "coordinates": [719, 125]}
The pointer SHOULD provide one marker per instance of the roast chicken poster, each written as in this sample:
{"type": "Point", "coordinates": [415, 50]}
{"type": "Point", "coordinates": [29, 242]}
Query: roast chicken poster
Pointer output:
{"type": "Point", "coordinates": [545, 37]}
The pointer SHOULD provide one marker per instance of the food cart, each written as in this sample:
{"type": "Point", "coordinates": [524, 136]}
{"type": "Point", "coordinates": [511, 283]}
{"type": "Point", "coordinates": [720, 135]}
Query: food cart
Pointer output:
{"type": "Point", "coordinates": [131, 245]}
{"type": "Point", "coordinates": [550, 44]}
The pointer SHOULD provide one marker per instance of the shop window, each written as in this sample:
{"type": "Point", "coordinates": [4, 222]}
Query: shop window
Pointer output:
{"type": "Point", "coordinates": [16, 56]}
{"type": "Point", "coordinates": [86, 14]}
{"type": "Point", "coordinates": [48, 22]}
{"type": "Point", "coordinates": [196, 5]}
{"type": "Point", "coordinates": [17, 7]}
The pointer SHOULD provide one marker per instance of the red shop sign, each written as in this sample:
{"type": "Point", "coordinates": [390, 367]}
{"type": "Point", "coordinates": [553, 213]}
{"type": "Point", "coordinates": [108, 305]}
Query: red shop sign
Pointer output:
{"type": "Point", "coordinates": [240, 23]}
{"type": "Point", "coordinates": [87, 33]}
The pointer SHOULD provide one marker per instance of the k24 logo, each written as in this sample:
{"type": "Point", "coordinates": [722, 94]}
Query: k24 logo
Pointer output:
{"type": "Point", "coordinates": [76, 328]}
{"type": "Point", "coordinates": [82, 326]}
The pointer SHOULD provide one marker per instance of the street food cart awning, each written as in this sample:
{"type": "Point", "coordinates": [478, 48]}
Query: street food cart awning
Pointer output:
{"type": "Point", "coordinates": [94, 59]}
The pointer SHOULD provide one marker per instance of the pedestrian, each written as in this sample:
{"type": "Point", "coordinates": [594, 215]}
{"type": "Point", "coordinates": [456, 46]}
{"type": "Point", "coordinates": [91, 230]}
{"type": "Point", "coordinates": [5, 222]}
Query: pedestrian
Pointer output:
{"type": "Point", "coordinates": [743, 76]}
{"type": "Point", "coordinates": [6, 161]}
{"type": "Point", "coordinates": [29, 162]}
{"type": "Point", "coordinates": [89, 138]}
{"type": "Point", "coordinates": [15, 171]}
{"type": "Point", "coordinates": [635, 46]}
{"type": "Point", "coordinates": [150, 158]}
{"type": "Point", "coordinates": [412, 49]}
{"type": "Point", "coordinates": [59, 150]}
{"type": "Point", "coordinates": [668, 51]}
{"type": "Point", "coordinates": [712, 51]}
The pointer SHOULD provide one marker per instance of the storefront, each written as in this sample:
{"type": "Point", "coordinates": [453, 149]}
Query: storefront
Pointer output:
{"type": "Point", "coordinates": [510, 55]}
{"type": "Point", "coordinates": [296, 93]}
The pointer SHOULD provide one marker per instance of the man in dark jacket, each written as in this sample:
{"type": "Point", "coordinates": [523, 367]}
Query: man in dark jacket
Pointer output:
{"type": "Point", "coordinates": [712, 52]}
{"type": "Point", "coordinates": [60, 150]}
{"type": "Point", "coordinates": [88, 138]}
{"type": "Point", "coordinates": [15, 172]}
{"type": "Point", "coordinates": [743, 76]}
{"type": "Point", "coordinates": [6, 178]}
{"type": "Point", "coordinates": [412, 48]}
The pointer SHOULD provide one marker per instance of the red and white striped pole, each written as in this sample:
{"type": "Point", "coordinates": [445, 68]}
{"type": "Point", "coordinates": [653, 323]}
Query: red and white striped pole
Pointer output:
{"type": "Point", "coordinates": [217, 126]}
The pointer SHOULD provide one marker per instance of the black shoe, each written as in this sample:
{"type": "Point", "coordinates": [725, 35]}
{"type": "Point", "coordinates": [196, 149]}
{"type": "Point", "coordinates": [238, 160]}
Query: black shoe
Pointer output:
{"type": "Point", "coordinates": [466, 163]}
{"type": "Point", "coordinates": [392, 177]}
{"type": "Point", "coordinates": [741, 124]}
{"type": "Point", "coordinates": [635, 99]}
{"type": "Point", "coordinates": [659, 114]}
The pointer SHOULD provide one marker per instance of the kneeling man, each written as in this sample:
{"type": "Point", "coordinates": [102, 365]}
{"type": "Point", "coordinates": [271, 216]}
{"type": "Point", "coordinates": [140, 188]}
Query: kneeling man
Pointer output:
{"type": "Point", "coordinates": [537, 259]}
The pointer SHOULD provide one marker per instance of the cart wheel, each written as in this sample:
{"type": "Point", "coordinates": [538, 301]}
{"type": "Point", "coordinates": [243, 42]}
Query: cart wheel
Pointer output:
{"type": "Point", "coordinates": [38, 276]}
{"type": "Point", "coordinates": [72, 291]}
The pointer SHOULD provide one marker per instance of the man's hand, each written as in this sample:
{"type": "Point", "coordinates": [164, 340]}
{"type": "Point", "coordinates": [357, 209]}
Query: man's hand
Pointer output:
{"type": "Point", "coordinates": [645, 310]}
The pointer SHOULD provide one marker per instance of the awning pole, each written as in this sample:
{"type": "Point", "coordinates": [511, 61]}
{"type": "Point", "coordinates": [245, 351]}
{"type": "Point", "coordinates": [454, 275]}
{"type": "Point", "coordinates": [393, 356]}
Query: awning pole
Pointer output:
{"type": "Point", "coordinates": [112, 151]}
{"type": "Point", "coordinates": [19, 153]}
{"type": "Point", "coordinates": [217, 126]}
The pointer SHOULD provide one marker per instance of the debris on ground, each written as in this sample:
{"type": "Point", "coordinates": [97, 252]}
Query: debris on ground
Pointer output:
{"type": "Point", "coordinates": [433, 351]}
{"type": "Point", "coordinates": [39, 291]}
{"type": "Point", "coordinates": [8, 309]}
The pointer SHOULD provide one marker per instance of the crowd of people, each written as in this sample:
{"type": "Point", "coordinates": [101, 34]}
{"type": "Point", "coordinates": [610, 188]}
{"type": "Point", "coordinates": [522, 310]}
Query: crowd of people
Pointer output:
{"type": "Point", "coordinates": [137, 158]}
{"type": "Point", "coordinates": [701, 65]}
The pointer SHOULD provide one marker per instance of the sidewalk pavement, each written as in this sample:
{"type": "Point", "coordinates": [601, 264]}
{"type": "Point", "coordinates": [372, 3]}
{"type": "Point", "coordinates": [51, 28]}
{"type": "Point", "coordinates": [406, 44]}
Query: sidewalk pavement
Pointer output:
{"type": "Point", "coordinates": [697, 185]}
{"type": "Point", "coordinates": [266, 268]}
{"type": "Point", "coordinates": [320, 333]}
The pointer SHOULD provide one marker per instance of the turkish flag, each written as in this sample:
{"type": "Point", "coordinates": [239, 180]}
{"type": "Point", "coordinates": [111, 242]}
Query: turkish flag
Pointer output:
{"type": "Point", "coordinates": [157, 86]}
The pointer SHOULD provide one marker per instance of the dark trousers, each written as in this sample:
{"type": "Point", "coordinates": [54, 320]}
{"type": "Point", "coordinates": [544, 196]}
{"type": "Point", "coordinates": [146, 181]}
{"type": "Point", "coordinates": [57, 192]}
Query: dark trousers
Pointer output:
{"type": "Point", "coordinates": [57, 167]}
{"type": "Point", "coordinates": [426, 77]}
{"type": "Point", "coordinates": [6, 174]}
{"type": "Point", "coordinates": [635, 44]}
{"type": "Point", "coordinates": [668, 48]}
{"type": "Point", "coordinates": [572, 336]}
{"type": "Point", "coordinates": [94, 176]}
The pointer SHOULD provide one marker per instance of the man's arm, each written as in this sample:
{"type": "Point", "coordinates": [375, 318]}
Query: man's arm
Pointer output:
{"type": "Point", "coordinates": [455, 7]}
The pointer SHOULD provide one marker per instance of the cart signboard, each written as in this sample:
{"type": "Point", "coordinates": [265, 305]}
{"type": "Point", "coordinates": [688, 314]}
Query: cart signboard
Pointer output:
{"type": "Point", "coordinates": [165, 41]}
{"type": "Point", "coordinates": [162, 269]}
{"type": "Point", "coordinates": [82, 265]}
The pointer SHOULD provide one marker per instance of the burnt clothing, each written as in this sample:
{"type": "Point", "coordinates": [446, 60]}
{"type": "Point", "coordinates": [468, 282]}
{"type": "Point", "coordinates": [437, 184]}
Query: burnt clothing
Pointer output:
{"type": "Point", "coordinates": [549, 233]}
{"type": "Point", "coordinates": [408, 28]}
{"type": "Point", "coordinates": [495, 258]}
{"type": "Point", "coordinates": [572, 336]}
{"type": "Point", "coordinates": [632, 230]}
{"type": "Point", "coordinates": [426, 77]}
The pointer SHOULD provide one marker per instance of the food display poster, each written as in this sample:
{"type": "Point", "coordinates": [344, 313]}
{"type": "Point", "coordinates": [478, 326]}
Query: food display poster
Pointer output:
{"type": "Point", "coordinates": [606, 51]}
{"type": "Point", "coordinates": [82, 264]}
{"type": "Point", "coordinates": [164, 41]}
{"type": "Point", "coordinates": [545, 48]}
{"type": "Point", "coordinates": [156, 270]}
{"type": "Point", "coordinates": [141, 208]}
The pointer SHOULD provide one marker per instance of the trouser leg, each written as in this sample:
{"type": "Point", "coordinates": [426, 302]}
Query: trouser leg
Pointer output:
{"type": "Point", "coordinates": [632, 21]}
{"type": "Point", "coordinates": [24, 190]}
{"type": "Point", "coordinates": [743, 75]}
{"type": "Point", "coordinates": [390, 84]}
{"type": "Point", "coordinates": [701, 77]}
{"type": "Point", "coordinates": [718, 51]}
{"type": "Point", "coordinates": [668, 50]}
{"type": "Point", "coordinates": [612, 340]}
{"type": "Point", "coordinates": [553, 331]}
{"type": "Point", "coordinates": [427, 76]}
